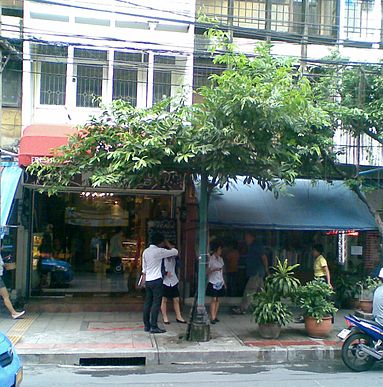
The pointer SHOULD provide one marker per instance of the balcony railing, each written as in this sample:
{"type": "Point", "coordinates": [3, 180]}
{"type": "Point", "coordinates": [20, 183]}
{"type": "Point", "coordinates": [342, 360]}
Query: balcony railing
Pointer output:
{"type": "Point", "coordinates": [353, 20]}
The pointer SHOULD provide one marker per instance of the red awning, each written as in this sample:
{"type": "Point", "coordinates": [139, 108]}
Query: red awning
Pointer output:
{"type": "Point", "coordinates": [38, 140]}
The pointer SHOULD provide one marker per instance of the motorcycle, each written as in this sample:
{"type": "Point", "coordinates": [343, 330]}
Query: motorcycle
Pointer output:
{"type": "Point", "coordinates": [362, 343]}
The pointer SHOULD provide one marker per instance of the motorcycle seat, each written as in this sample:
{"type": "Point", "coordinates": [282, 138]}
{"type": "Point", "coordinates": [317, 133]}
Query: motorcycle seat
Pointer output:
{"type": "Point", "coordinates": [372, 322]}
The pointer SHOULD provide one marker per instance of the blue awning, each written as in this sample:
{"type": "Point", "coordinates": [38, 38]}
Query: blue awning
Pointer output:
{"type": "Point", "coordinates": [321, 206]}
{"type": "Point", "coordinates": [10, 177]}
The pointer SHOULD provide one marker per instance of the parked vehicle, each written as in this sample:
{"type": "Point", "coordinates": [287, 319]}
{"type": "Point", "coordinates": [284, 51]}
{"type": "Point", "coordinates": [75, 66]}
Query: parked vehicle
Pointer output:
{"type": "Point", "coordinates": [11, 369]}
{"type": "Point", "coordinates": [56, 272]}
{"type": "Point", "coordinates": [363, 343]}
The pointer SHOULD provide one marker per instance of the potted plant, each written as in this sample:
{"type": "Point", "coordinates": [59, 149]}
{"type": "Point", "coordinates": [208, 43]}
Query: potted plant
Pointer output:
{"type": "Point", "coordinates": [366, 293]}
{"type": "Point", "coordinates": [269, 311]}
{"type": "Point", "coordinates": [282, 280]}
{"type": "Point", "coordinates": [314, 299]}
{"type": "Point", "coordinates": [346, 291]}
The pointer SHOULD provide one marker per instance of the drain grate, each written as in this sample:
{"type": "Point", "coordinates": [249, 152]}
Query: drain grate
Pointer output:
{"type": "Point", "coordinates": [112, 361]}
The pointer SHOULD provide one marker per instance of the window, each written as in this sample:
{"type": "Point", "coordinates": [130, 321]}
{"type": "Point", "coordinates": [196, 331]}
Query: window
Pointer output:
{"type": "Point", "coordinates": [12, 84]}
{"type": "Point", "coordinates": [53, 69]}
{"type": "Point", "coordinates": [163, 66]}
{"type": "Point", "coordinates": [125, 75]}
{"type": "Point", "coordinates": [89, 69]}
{"type": "Point", "coordinates": [52, 83]}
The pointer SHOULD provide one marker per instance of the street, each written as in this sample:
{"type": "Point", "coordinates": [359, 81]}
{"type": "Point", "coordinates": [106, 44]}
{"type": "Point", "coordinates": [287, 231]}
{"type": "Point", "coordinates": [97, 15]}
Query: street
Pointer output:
{"type": "Point", "coordinates": [305, 375]}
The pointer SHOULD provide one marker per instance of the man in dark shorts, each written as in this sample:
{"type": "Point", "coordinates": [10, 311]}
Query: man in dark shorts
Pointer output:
{"type": "Point", "coordinates": [256, 268]}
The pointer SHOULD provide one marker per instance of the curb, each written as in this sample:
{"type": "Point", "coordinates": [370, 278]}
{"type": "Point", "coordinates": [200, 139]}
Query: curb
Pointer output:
{"type": "Point", "coordinates": [166, 357]}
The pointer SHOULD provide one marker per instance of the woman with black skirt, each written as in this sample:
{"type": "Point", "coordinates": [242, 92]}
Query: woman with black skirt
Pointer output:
{"type": "Point", "coordinates": [216, 284]}
{"type": "Point", "coordinates": [170, 291]}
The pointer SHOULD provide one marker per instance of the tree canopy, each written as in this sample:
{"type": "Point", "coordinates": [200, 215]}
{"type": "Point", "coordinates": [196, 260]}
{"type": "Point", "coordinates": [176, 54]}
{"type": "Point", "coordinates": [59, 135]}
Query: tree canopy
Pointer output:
{"type": "Point", "coordinates": [258, 119]}
{"type": "Point", "coordinates": [352, 94]}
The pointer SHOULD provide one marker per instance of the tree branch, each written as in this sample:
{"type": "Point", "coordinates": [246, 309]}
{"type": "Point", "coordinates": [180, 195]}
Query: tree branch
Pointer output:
{"type": "Point", "coordinates": [357, 190]}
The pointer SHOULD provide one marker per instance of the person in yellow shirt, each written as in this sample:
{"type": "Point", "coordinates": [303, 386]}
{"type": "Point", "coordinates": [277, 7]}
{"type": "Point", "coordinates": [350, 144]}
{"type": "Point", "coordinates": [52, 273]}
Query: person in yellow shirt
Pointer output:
{"type": "Point", "coordinates": [321, 269]}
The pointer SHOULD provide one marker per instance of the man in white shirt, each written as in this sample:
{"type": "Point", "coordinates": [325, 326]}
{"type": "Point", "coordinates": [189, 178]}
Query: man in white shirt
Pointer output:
{"type": "Point", "coordinates": [377, 307]}
{"type": "Point", "coordinates": [152, 258]}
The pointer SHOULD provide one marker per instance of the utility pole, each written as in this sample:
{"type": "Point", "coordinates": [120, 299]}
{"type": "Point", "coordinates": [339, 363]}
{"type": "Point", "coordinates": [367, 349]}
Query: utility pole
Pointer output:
{"type": "Point", "coordinates": [305, 31]}
{"type": "Point", "coordinates": [361, 101]}
{"type": "Point", "coordinates": [200, 326]}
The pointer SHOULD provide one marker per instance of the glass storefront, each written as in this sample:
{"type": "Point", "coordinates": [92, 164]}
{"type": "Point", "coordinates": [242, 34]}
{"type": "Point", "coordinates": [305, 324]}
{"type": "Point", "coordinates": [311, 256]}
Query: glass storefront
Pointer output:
{"type": "Point", "coordinates": [72, 234]}
{"type": "Point", "coordinates": [343, 250]}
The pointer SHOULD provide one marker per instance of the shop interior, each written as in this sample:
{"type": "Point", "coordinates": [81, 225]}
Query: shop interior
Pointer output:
{"type": "Point", "coordinates": [76, 229]}
{"type": "Point", "coordinates": [343, 250]}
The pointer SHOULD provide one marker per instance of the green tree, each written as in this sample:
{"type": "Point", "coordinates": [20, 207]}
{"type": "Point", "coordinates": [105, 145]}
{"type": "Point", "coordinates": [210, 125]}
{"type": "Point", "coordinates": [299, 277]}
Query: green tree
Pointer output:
{"type": "Point", "coordinates": [352, 95]}
{"type": "Point", "coordinates": [258, 119]}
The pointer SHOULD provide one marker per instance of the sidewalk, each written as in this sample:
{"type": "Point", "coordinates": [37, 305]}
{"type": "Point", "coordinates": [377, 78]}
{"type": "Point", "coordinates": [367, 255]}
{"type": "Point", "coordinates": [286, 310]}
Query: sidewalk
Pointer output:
{"type": "Point", "coordinates": [68, 338]}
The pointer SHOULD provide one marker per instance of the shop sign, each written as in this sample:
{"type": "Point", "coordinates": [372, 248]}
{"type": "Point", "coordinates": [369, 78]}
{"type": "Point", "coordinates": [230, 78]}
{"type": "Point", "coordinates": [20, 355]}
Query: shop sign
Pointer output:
{"type": "Point", "coordinates": [166, 227]}
{"type": "Point", "coordinates": [96, 218]}
{"type": "Point", "coordinates": [166, 180]}
{"type": "Point", "coordinates": [343, 232]}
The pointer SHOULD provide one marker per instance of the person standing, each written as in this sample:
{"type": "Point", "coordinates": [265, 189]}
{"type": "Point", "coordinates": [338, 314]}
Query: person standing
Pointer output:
{"type": "Point", "coordinates": [321, 269]}
{"type": "Point", "coordinates": [95, 246]}
{"type": "Point", "coordinates": [46, 247]}
{"type": "Point", "coordinates": [116, 251]}
{"type": "Point", "coordinates": [257, 267]}
{"type": "Point", "coordinates": [152, 258]}
{"type": "Point", "coordinates": [170, 290]}
{"type": "Point", "coordinates": [377, 303]}
{"type": "Point", "coordinates": [5, 295]}
{"type": "Point", "coordinates": [216, 284]}
{"type": "Point", "coordinates": [231, 257]}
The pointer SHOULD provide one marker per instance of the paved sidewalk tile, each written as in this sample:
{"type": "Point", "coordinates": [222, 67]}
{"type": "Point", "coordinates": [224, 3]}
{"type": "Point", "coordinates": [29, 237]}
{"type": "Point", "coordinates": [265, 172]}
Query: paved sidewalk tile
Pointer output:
{"type": "Point", "coordinates": [234, 338]}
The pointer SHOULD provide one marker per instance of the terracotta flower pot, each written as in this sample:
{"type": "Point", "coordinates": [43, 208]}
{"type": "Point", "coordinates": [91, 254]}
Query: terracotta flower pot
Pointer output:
{"type": "Point", "coordinates": [318, 330]}
{"type": "Point", "coordinates": [365, 306]}
{"type": "Point", "coordinates": [269, 331]}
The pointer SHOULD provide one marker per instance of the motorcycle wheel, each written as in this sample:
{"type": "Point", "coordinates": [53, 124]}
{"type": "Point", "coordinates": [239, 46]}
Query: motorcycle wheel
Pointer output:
{"type": "Point", "coordinates": [354, 358]}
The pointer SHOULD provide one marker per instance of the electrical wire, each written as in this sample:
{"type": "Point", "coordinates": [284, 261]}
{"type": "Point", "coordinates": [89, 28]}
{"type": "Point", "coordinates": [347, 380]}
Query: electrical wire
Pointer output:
{"type": "Point", "coordinates": [192, 21]}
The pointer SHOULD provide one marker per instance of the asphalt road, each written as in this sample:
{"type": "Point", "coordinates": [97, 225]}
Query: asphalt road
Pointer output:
{"type": "Point", "coordinates": [298, 375]}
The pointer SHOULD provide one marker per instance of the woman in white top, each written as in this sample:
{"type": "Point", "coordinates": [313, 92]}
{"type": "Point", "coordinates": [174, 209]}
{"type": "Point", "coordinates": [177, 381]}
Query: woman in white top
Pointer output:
{"type": "Point", "coordinates": [5, 295]}
{"type": "Point", "coordinates": [216, 285]}
{"type": "Point", "coordinates": [170, 290]}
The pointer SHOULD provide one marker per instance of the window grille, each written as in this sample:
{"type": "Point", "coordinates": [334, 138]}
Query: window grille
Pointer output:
{"type": "Point", "coordinates": [283, 15]}
{"type": "Point", "coordinates": [203, 69]}
{"type": "Point", "coordinates": [360, 19]}
{"type": "Point", "coordinates": [163, 66]}
{"type": "Point", "coordinates": [125, 75]}
{"type": "Point", "coordinates": [53, 68]}
{"type": "Point", "coordinates": [49, 50]}
{"type": "Point", "coordinates": [12, 84]}
{"type": "Point", "coordinates": [52, 83]}
{"type": "Point", "coordinates": [89, 72]}
{"type": "Point", "coordinates": [89, 85]}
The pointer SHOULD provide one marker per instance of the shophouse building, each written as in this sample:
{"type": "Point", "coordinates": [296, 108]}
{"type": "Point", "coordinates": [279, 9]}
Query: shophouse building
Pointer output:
{"type": "Point", "coordinates": [78, 54]}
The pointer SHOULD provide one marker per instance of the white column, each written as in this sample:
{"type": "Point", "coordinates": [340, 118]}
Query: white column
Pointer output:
{"type": "Point", "coordinates": [141, 86]}
{"type": "Point", "coordinates": [107, 91]}
{"type": "Point", "coordinates": [70, 100]}
{"type": "Point", "coordinates": [342, 21]}
{"type": "Point", "coordinates": [27, 100]}
{"type": "Point", "coordinates": [150, 83]}
{"type": "Point", "coordinates": [188, 81]}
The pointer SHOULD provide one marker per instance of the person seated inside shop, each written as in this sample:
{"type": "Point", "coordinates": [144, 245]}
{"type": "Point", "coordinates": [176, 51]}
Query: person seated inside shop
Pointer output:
{"type": "Point", "coordinates": [116, 251]}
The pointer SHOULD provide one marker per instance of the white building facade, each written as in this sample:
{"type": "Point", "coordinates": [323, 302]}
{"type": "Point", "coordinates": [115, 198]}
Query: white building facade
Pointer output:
{"type": "Point", "coordinates": [78, 54]}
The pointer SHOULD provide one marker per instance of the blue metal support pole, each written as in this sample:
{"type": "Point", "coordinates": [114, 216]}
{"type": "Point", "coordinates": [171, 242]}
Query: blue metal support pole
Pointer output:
{"type": "Point", "coordinates": [200, 326]}
{"type": "Point", "coordinates": [202, 241]}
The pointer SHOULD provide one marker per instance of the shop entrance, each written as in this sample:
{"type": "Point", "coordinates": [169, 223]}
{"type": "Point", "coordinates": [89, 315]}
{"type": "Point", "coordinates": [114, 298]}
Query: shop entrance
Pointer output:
{"type": "Point", "coordinates": [89, 243]}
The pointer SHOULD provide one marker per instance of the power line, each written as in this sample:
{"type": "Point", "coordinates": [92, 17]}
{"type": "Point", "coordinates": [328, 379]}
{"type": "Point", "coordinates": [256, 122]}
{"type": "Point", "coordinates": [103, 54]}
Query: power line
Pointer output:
{"type": "Point", "coordinates": [50, 2]}
{"type": "Point", "coordinates": [266, 33]}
